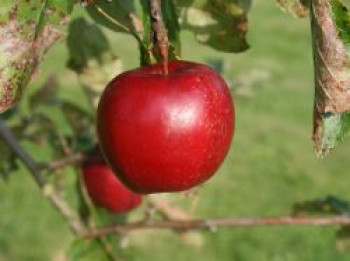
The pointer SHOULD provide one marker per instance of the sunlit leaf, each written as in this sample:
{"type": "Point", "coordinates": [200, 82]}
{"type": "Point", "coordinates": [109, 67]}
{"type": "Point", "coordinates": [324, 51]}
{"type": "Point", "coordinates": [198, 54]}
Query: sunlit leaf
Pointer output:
{"type": "Point", "coordinates": [298, 8]}
{"type": "Point", "coordinates": [221, 24]}
{"type": "Point", "coordinates": [86, 43]}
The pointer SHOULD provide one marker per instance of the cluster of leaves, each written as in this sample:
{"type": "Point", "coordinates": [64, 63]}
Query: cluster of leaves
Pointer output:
{"type": "Point", "coordinates": [52, 119]}
{"type": "Point", "coordinates": [48, 119]}
{"type": "Point", "coordinates": [220, 24]}
{"type": "Point", "coordinates": [24, 25]}
{"type": "Point", "coordinates": [63, 126]}
{"type": "Point", "coordinates": [46, 116]}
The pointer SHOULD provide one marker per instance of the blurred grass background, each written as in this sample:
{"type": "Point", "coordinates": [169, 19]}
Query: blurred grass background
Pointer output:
{"type": "Point", "coordinates": [271, 164]}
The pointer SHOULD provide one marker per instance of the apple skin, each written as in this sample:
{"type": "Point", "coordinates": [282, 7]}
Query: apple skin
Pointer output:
{"type": "Point", "coordinates": [166, 133]}
{"type": "Point", "coordinates": [106, 191]}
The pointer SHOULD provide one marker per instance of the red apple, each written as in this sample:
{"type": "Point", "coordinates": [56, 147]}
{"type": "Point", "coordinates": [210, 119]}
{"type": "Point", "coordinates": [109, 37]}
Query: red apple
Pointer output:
{"type": "Point", "coordinates": [166, 133]}
{"type": "Point", "coordinates": [106, 191]}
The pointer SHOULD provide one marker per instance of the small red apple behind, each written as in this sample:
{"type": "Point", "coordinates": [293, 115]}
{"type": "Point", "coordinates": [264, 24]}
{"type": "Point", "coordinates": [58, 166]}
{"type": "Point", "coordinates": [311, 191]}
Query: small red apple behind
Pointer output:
{"type": "Point", "coordinates": [166, 132]}
{"type": "Point", "coordinates": [105, 190]}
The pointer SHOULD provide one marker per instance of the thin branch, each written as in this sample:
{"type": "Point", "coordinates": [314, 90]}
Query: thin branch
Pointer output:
{"type": "Point", "coordinates": [34, 168]}
{"type": "Point", "coordinates": [166, 209]}
{"type": "Point", "coordinates": [73, 220]}
{"type": "Point", "coordinates": [137, 24]}
{"type": "Point", "coordinates": [179, 224]}
{"type": "Point", "coordinates": [224, 222]}
{"type": "Point", "coordinates": [181, 221]}
{"type": "Point", "coordinates": [11, 141]}
{"type": "Point", "coordinates": [64, 144]}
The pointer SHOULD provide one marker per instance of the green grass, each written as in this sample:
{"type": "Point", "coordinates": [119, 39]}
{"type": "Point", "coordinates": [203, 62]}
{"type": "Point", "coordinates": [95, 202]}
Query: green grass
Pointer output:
{"type": "Point", "coordinates": [271, 164]}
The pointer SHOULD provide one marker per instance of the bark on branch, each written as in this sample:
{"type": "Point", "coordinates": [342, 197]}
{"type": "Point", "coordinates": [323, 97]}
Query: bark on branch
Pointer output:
{"type": "Point", "coordinates": [34, 168]}
{"type": "Point", "coordinates": [224, 222]}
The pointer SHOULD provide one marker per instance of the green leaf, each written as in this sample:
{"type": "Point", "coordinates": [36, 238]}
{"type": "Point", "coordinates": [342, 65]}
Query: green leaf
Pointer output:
{"type": "Point", "coordinates": [36, 13]}
{"type": "Point", "coordinates": [330, 205]}
{"type": "Point", "coordinates": [82, 124]}
{"type": "Point", "coordinates": [116, 15]}
{"type": "Point", "coordinates": [58, 10]}
{"type": "Point", "coordinates": [91, 57]}
{"type": "Point", "coordinates": [145, 46]}
{"type": "Point", "coordinates": [7, 161]}
{"type": "Point", "coordinates": [46, 95]}
{"type": "Point", "coordinates": [78, 118]}
{"type": "Point", "coordinates": [341, 16]}
{"type": "Point", "coordinates": [335, 127]}
{"type": "Point", "coordinates": [125, 16]}
{"type": "Point", "coordinates": [55, 116]}
{"type": "Point", "coordinates": [87, 250]}
{"type": "Point", "coordinates": [221, 24]}
{"type": "Point", "coordinates": [86, 44]}
{"type": "Point", "coordinates": [172, 24]}
{"type": "Point", "coordinates": [298, 8]}
{"type": "Point", "coordinates": [26, 33]}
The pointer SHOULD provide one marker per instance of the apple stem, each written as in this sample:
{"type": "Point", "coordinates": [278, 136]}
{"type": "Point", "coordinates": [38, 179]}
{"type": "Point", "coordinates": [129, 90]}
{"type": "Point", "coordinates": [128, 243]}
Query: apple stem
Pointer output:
{"type": "Point", "coordinates": [159, 34]}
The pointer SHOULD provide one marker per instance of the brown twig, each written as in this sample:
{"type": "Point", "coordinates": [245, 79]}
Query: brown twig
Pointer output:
{"type": "Point", "coordinates": [73, 220]}
{"type": "Point", "coordinates": [64, 144]}
{"type": "Point", "coordinates": [166, 209]}
{"type": "Point", "coordinates": [34, 168]}
{"type": "Point", "coordinates": [179, 220]}
{"type": "Point", "coordinates": [170, 212]}
{"type": "Point", "coordinates": [175, 220]}
{"type": "Point", "coordinates": [64, 162]}
{"type": "Point", "coordinates": [51, 192]}
{"type": "Point", "coordinates": [224, 222]}
{"type": "Point", "coordinates": [137, 24]}
{"type": "Point", "coordinates": [159, 35]}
